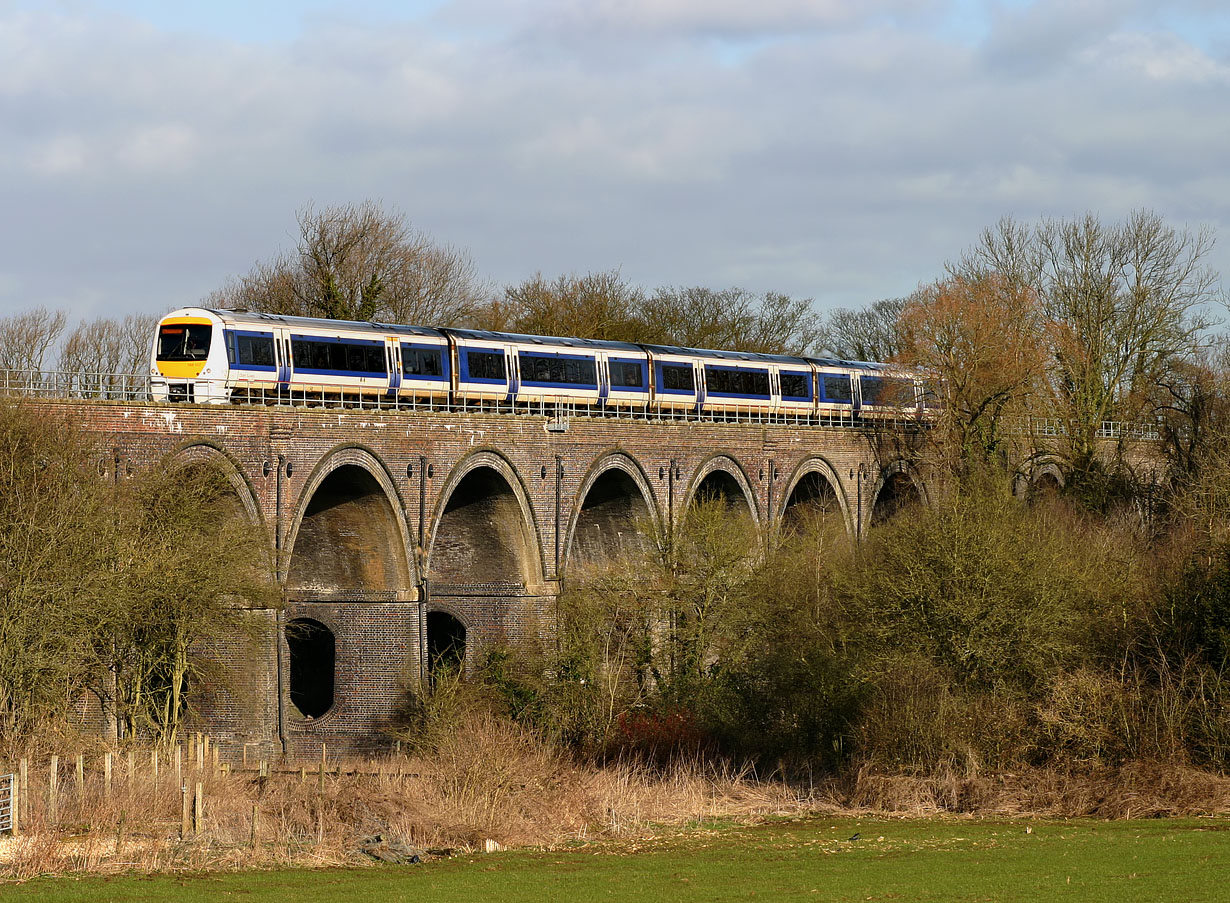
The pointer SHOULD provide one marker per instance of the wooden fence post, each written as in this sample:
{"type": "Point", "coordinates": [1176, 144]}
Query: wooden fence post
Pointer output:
{"type": "Point", "coordinates": [183, 811]}
{"type": "Point", "coordinates": [198, 809]}
{"type": "Point", "coordinates": [23, 770]}
{"type": "Point", "coordinates": [53, 780]}
{"type": "Point", "coordinates": [80, 777]}
{"type": "Point", "coordinates": [107, 774]}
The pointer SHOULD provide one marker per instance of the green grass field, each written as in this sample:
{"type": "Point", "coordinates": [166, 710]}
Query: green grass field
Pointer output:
{"type": "Point", "coordinates": [811, 859]}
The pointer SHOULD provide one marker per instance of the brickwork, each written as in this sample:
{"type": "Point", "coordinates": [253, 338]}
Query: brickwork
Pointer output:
{"type": "Point", "coordinates": [377, 518]}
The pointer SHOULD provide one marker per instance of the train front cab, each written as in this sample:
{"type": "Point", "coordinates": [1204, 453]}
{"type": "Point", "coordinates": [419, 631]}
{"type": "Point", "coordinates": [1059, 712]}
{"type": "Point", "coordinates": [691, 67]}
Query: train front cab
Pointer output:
{"type": "Point", "coordinates": [189, 361]}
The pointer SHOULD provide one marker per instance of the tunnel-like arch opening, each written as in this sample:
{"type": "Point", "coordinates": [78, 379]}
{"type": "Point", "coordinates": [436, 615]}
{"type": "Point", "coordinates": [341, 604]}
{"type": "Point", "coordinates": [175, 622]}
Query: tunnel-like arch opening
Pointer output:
{"type": "Point", "coordinates": [349, 538]}
{"type": "Point", "coordinates": [721, 485]}
{"type": "Point", "coordinates": [1046, 486]}
{"type": "Point", "coordinates": [446, 644]}
{"type": "Point", "coordinates": [313, 658]}
{"type": "Point", "coordinates": [610, 524]}
{"type": "Point", "coordinates": [812, 501]}
{"type": "Point", "coordinates": [898, 493]}
{"type": "Point", "coordinates": [482, 536]}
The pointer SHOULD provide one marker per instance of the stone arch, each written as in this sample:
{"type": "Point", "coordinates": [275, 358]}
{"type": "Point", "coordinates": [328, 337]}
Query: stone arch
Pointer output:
{"type": "Point", "coordinates": [724, 477]}
{"type": "Point", "coordinates": [484, 530]}
{"type": "Point", "coordinates": [206, 454]}
{"type": "Point", "coordinates": [898, 487]}
{"type": "Point", "coordinates": [349, 536]}
{"type": "Point", "coordinates": [814, 487]}
{"type": "Point", "coordinates": [1040, 477]}
{"type": "Point", "coordinates": [614, 499]}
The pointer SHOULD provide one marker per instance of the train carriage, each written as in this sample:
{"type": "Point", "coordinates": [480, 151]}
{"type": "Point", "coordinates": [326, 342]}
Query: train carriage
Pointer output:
{"type": "Point", "coordinates": [203, 355]}
{"type": "Point", "coordinates": [887, 392]}
{"type": "Point", "coordinates": [675, 378]}
{"type": "Point", "coordinates": [836, 388]}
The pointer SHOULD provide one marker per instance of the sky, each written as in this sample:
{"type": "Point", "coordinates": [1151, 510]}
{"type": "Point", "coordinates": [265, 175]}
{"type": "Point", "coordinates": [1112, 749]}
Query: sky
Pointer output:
{"type": "Point", "coordinates": [839, 150]}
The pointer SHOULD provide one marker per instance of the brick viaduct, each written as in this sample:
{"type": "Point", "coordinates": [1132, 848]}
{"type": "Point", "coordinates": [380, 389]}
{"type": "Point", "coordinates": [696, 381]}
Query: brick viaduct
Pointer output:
{"type": "Point", "coordinates": [396, 532]}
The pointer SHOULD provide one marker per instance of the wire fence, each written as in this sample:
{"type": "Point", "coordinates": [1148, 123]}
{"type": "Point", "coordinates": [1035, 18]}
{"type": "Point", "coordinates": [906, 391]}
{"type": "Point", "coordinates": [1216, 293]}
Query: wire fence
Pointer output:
{"type": "Point", "coordinates": [557, 411]}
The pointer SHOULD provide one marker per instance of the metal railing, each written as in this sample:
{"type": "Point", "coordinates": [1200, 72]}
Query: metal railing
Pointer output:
{"type": "Point", "coordinates": [558, 411]}
{"type": "Point", "coordinates": [74, 384]}
{"type": "Point", "coordinates": [1109, 429]}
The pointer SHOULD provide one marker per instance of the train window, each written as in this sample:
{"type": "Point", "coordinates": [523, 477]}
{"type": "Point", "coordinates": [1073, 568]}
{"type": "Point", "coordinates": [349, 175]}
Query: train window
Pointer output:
{"type": "Point", "coordinates": [254, 350]}
{"type": "Point", "coordinates": [678, 377]}
{"type": "Point", "coordinates": [184, 342]}
{"type": "Point", "coordinates": [559, 370]}
{"type": "Point", "coordinates": [486, 364]}
{"type": "Point", "coordinates": [627, 374]}
{"type": "Point", "coordinates": [338, 356]}
{"type": "Point", "coordinates": [795, 385]}
{"type": "Point", "coordinates": [837, 389]}
{"type": "Point", "coordinates": [365, 358]}
{"type": "Point", "coordinates": [883, 390]}
{"type": "Point", "coordinates": [729, 381]}
{"type": "Point", "coordinates": [421, 361]}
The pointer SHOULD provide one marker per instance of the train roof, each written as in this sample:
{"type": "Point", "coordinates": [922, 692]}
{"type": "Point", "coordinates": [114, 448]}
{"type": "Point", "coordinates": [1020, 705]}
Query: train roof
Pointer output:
{"type": "Point", "coordinates": [252, 316]}
{"type": "Point", "coordinates": [749, 356]}
{"type": "Point", "coordinates": [526, 339]}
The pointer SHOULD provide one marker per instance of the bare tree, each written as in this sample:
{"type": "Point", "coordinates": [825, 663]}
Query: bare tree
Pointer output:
{"type": "Point", "coordinates": [734, 318]}
{"type": "Point", "coordinates": [870, 334]}
{"type": "Point", "coordinates": [980, 337]}
{"type": "Point", "coordinates": [26, 338]}
{"type": "Point", "coordinates": [359, 262]}
{"type": "Point", "coordinates": [1122, 304]}
{"type": "Point", "coordinates": [593, 306]}
{"type": "Point", "coordinates": [108, 346]}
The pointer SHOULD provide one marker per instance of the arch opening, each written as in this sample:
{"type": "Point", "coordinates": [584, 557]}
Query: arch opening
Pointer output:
{"type": "Point", "coordinates": [348, 538]}
{"type": "Point", "coordinates": [313, 657]}
{"type": "Point", "coordinates": [613, 515]}
{"type": "Point", "coordinates": [446, 644]}
{"type": "Point", "coordinates": [812, 501]}
{"type": "Point", "coordinates": [1044, 487]}
{"type": "Point", "coordinates": [720, 485]}
{"type": "Point", "coordinates": [482, 537]}
{"type": "Point", "coordinates": [898, 493]}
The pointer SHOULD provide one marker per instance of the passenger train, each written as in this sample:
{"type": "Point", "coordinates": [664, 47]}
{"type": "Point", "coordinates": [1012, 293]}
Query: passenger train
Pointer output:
{"type": "Point", "coordinates": [221, 356]}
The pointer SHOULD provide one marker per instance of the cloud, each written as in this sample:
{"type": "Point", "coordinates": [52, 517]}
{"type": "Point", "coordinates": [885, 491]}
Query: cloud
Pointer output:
{"type": "Point", "coordinates": [845, 152]}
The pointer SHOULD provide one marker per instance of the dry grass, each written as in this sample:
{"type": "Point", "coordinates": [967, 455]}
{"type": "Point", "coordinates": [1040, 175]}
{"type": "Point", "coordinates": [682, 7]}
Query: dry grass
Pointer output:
{"type": "Point", "coordinates": [1137, 790]}
{"type": "Point", "coordinates": [492, 781]}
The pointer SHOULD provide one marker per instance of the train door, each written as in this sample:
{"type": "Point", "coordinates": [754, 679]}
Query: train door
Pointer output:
{"type": "Point", "coordinates": [604, 377]}
{"type": "Point", "coordinates": [282, 359]}
{"type": "Point", "coordinates": [392, 357]}
{"type": "Point", "coordinates": [698, 377]}
{"type": "Point", "coordinates": [512, 365]}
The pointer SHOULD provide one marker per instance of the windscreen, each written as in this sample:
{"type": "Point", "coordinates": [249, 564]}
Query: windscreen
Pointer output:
{"type": "Point", "coordinates": [184, 341]}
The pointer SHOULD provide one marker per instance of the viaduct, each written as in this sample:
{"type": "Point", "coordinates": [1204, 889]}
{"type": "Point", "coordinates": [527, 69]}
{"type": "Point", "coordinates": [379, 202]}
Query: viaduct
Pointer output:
{"type": "Point", "coordinates": [399, 535]}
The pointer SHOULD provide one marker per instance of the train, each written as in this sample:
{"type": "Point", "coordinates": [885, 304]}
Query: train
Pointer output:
{"type": "Point", "coordinates": [203, 355]}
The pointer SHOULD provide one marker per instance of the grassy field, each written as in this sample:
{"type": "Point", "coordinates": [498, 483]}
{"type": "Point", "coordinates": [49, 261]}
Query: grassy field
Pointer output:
{"type": "Point", "coordinates": [806, 859]}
